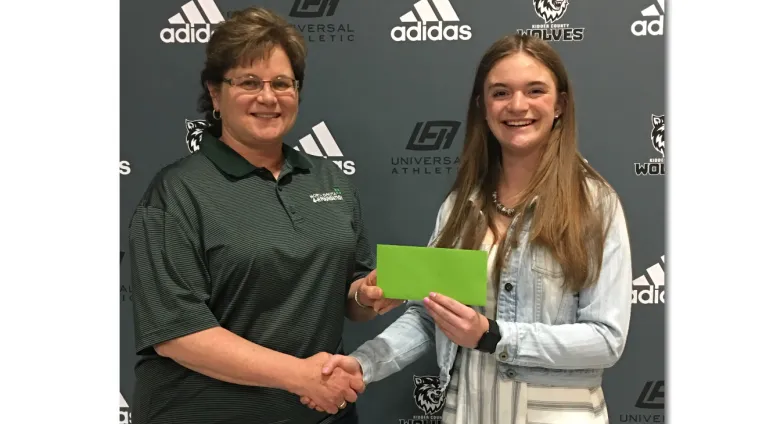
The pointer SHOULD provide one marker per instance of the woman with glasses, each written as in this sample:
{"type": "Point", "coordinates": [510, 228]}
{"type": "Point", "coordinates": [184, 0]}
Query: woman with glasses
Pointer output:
{"type": "Point", "coordinates": [247, 255]}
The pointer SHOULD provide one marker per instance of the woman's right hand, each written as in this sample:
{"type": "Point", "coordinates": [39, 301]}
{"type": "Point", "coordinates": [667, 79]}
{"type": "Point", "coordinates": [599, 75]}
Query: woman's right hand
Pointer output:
{"type": "Point", "coordinates": [340, 364]}
{"type": "Point", "coordinates": [327, 392]}
{"type": "Point", "coordinates": [372, 295]}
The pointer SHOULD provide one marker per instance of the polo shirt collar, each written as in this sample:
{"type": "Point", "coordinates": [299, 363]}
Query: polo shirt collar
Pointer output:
{"type": "Point", "coordinates": [232, 163]}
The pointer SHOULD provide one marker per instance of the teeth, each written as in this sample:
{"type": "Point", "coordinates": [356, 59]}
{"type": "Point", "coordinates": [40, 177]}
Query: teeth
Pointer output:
{"type": "Point", "coordinates": [519, 123]}
{"type": "Point", "coordinates": [265, 115]}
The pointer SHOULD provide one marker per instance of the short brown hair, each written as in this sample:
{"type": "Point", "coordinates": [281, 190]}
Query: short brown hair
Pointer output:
{"type": "Point", "coordinates": [248, 35]}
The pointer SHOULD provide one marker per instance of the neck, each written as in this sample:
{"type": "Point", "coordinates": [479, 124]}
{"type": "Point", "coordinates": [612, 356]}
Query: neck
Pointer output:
{"type": "Point", "coordinates": [516, 173]}
{"type": "Point", "coordinates": [266, 155]}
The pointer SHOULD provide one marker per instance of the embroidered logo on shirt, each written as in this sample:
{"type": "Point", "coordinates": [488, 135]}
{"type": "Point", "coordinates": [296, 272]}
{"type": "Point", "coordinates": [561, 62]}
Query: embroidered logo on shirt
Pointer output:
{"type": "Point", "coordinates": [333, 196]}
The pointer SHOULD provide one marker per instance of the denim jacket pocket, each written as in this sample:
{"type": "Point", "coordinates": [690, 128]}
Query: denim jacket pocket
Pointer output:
{"type": "Point", "coordinates": [558, 304]}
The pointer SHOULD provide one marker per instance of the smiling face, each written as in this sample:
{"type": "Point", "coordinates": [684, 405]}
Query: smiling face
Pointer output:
{"type": "Point", "coordinates": [255, 117]}
{"type": "Point", "coordinates": [521, 103]}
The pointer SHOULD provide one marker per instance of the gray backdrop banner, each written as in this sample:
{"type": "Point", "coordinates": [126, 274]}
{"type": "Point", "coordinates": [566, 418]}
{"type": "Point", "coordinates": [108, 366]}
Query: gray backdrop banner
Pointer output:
{"type": "Point", "coordinates": [386, 94]}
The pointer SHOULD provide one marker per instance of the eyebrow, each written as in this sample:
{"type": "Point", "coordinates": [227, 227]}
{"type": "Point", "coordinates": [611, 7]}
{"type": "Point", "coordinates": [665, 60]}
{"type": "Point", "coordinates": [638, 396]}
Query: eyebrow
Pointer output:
{"type": "Point", "coordinates": [250, 74]}
{"type": "Point", "coordinates": [532, 83]}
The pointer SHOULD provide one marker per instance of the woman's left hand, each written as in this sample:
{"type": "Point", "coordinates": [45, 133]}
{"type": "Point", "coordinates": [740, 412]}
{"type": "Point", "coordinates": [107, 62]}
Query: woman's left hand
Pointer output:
{"type": "Point", "coordinates": [462, 324]}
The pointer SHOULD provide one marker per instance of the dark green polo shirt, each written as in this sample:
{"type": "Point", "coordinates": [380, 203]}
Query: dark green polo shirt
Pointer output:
{"type": "Point", "coordinates": [218, 242]}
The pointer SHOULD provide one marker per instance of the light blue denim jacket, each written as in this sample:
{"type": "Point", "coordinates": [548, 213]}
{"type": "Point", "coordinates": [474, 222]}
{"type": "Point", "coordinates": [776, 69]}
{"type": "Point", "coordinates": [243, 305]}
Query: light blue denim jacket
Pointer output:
{"type": "Point", "coordinates": [549, 337]}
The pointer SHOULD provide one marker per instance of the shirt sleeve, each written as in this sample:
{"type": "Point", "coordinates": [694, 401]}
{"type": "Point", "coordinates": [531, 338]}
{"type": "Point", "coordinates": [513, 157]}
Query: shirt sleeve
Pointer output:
{"type": "Point", "coordinates": [364, 259]}
{"type": "Point", "coordinates": [169, 280]}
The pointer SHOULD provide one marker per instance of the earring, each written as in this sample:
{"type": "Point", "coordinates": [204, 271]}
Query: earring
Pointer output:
{"type": "Point", "coordinates": [217, 118]}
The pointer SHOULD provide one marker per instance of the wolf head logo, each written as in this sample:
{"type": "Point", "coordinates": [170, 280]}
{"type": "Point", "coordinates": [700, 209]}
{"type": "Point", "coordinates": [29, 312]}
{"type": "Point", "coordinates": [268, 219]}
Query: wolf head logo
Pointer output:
{"type": "Point", "coordinates": [550, 10]}
{"type": "Point", "coordinates": [428, 395]}
{"type": "Point", "coordinates": [657, 134]}
{"type": "Point", "coordinates": [194, 129]}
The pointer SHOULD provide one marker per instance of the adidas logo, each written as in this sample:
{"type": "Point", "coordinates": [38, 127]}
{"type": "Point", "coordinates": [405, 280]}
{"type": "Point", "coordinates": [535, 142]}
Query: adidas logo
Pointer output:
{"type": "Point", "coordinates": [650, 26]}
{"type": "Point", "coordinates": [325, 147]}
{"type": "Point", "coordinates": [650, 290]}
{"type": "Point", "coordinates": [429, 27]}
{"type": "Point", "coordinates": [125, 412]}
{"type": "Point", "coordinates": [197, 29]}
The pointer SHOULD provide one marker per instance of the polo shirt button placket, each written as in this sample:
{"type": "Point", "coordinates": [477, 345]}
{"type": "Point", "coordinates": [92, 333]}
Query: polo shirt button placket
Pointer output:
{"type": "Point", "coordinates": [280, 194]}
{"type": "Point", "coordinates": [287, 206]}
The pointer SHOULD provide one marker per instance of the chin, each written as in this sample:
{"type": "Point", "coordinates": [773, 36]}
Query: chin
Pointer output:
{"type": "Point", "coordinates": [520, 140]}
{"type": "Point", "coordinates": [268, 136]}
{"type": "Point", "coordinates": [272, 132]}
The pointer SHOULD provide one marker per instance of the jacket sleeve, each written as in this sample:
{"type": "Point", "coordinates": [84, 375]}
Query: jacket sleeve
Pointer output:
{"type": "Point", "coordinates": [598, 337]}
{"type": "Point", "coordinates": [407, 339]}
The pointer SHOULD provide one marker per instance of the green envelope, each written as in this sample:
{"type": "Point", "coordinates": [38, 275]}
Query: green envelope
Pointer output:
{"type": "Point", "coordinates": [412, 272]}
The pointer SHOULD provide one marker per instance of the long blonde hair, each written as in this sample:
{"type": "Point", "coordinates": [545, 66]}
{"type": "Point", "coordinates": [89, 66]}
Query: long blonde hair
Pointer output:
{"type": "Point", "coordinates": [564, 220]}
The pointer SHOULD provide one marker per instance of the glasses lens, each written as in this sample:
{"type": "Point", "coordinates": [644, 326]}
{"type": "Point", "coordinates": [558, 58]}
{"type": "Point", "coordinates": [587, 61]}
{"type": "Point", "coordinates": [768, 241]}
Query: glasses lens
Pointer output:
{"type": "Point", "coordinates": [249, 84]}
{"type": "Point", "coordinates": [282, 84]}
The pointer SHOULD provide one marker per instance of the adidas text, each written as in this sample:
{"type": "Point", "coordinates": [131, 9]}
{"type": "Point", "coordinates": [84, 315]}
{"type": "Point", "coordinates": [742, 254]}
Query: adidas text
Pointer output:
{"type": "Point", "coordinates": [192, 23]}
{"type": "Point", "coordinates": [649, 289]}
{"type": "Point", "coordinates": [652, 22]}
{"type": "Point", "coordinates": [427, 24]}
{"type": "Point", "coordinates": [125, 411]}
{"type": "Point", "coordinates": [347, 166]}
{"type": "Point", "coordinates": [125, 167]}
{"type": "Point", "coordinates": [187, 34]}
{"type": "Point", "coordinates": [324, 145]}
{"type": "Point", "coordinates": [652, 27]}
{"type": "Point", "coordinates": [649, 296]}
{"type": "Point", "coordinates": [431, 32]}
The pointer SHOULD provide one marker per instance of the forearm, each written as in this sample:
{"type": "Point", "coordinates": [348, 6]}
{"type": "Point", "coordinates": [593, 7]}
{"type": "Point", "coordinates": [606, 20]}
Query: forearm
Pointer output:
{"type": "Point", "coordinates": [354, 312]}
{"type": "Point", "coordinates": [569, 346]}
{"type": "Point", "coordinates": [221, 354]}
{"type": "Point", "coordinates": [399, 345]}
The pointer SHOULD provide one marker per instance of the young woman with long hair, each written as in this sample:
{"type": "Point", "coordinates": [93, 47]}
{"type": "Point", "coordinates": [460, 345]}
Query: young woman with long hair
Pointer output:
{"type": "Point", "coordinates": [559, 270]}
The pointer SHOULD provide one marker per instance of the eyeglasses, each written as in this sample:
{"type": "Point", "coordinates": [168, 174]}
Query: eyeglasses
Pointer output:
{"type": "Point", "coordinates": [252, 85]}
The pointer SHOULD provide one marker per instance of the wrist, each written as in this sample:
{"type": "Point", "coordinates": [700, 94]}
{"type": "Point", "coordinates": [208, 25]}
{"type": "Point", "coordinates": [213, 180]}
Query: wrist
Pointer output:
{"type": "Point", "coordinates": [296, 379]}
{"type": "Point", "coordinates": [489, 340]}
{"type": "Point", "coordinates": [365, 365]}
{"type": "Point", "coordinates": [358, 300]}
{"type": "Point", "coordinates": [485, 324]}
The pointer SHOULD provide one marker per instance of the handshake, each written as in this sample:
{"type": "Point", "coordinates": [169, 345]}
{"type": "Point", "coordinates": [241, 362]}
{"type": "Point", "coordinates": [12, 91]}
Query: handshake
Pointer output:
{"type": "Point", "coordinates": [331, 381]}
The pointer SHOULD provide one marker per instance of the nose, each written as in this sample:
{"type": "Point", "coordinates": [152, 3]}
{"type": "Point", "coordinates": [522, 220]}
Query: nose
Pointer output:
{"type": "Point", "coordinates": [518, 103]}
{"type": "Point", "coordinates": [266, 95]}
